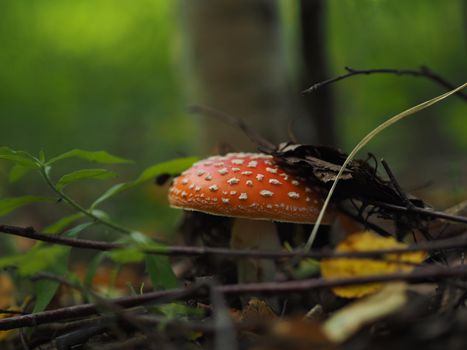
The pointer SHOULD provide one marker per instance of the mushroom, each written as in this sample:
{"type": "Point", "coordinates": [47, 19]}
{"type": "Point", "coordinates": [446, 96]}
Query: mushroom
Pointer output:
{"type": "Point", "coordinates": [254, 190]}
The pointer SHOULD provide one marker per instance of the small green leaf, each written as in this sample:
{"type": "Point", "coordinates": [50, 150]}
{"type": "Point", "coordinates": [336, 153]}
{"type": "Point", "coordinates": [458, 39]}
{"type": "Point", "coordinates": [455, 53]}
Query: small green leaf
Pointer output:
{"type": "Point", "coordinates": [172, 167]}
{"type": "Point", "coordinates": [73, 232]}
{"type": "Point", "coordinates": [160, 271]}
{"type": "Point", "coordinates": [45, 289]}
{"type": "Point", "coordinates": [35, 260]}
{"type": "Point", "coordinates": [92, 268]}
{"type": "Point", "coordinates": [7, 205]}
{"type": "Point", "coordinates": [18, 157]}
{"type": "Point", "coordinates": [42, 156]}
{"type": "Point", "coordinates": [179, 310]}
{"type": "Point", "coordinates": [126, 255]}
{"type": "Point", "coordinates": [17, 172]}
{"type": "Point", "coordinates": [97, 156]}
{"type": "Point", "coordinates": [63, 223]}
{"type": "Point", "coordinates": [83, 174]}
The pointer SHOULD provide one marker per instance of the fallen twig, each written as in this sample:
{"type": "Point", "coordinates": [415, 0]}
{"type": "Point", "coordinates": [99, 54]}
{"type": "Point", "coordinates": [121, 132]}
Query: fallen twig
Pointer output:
{"type": "Point", "coordinates": [452, 243]}
{"type": "Point", "coordinates": [83, 310]}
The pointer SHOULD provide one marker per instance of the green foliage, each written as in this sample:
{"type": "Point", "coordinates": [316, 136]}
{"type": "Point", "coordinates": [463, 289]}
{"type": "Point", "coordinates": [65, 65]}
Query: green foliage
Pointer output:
{"type": "Point", "coordinates": [171, 167]}
{"type": "Point", "coordinates": [35, 260]}
{"type": "Point", "coordinates": [7, 205]}
{"type": "Point", "coordinates": [18, 157]}
{"type": "Point", "coordinates": [96, 174]}
{"type": "Point", "coordinates": [54, 259]}
{"type": "Point", "coordinates": [45, 290]}
{"type": "Point", "coordinates": [98, 157]}
{"type": "Point", "coordinates": [61, 224]}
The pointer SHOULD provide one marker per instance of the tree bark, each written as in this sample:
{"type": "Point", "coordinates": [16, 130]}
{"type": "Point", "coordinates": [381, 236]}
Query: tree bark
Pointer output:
{"type": "Point", "coordinates": [237, 56]}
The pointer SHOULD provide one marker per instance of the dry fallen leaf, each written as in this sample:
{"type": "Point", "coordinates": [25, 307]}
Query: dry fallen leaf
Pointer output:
{"type": "Point", "coordinates": [7, 301]}
{"type": "Point", "coordinates": [347, 321]}
{"type": "Point", "coordinates": [353, 267]}
{"type": "Point", "coordinates": [296, 334]}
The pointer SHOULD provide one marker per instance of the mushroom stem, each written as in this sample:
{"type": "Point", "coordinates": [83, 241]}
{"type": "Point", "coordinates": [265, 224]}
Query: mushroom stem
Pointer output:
{"type": "Point", "coordinates": [258, 235]}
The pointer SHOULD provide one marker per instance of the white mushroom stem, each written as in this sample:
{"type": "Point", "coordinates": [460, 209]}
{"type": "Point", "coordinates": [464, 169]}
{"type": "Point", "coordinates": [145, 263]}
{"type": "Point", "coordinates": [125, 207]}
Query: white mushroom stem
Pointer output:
{"type": "Point", "coordinates": [255, 235]}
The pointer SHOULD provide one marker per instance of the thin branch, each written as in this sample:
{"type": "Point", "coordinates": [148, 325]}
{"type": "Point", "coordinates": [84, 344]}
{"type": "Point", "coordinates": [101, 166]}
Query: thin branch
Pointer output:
{"type": "Point", "coordinates": [422, 211]}
{"type": "Point", "coordinates": [84, 310]}
{"type": "Point", "coordinates": [423, 71]}
{"type": "Point", "coordinates": [452, 243]}
{"type": "Point", "coordinates": [256, 138]}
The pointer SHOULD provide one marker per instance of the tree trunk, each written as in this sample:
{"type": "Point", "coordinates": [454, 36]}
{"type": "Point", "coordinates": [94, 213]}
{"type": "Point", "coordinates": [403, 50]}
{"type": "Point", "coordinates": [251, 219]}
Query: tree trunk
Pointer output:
{"type": "Point", "coordinates": [237, 56]}
{"type": "Point", "coordinates": [318, 104]}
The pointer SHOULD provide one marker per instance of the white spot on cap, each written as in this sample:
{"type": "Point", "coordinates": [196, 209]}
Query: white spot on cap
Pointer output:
{"type": "Point", "coordinates": [269, 206]}
{"type": "Point", "coordinates": [214, 188]}
{"type": "Point", "coordinates": [307, 189]}
{"type": "Point", "coordinates": [271, 170]}
{"type": "Point", "coordinates": [247, 172]}
{"type": "Point", "coordinates": [274, 182]}
{"type": "Point", "coordinates": [214, 199]}
{"type": "Point", "coordinates": [208, 177]}
{"type": "Point", "coordinates": [200, 172]}
{"type": "Point", "coordinates": [218, 164]}
{"type": "Point", "coordinates": [268, 162]}
{"type": "Point", "coordinates": [238, 161]}
{"type": "Point", "coordinates": [252, 205]}
{"type": "Point", "coordinates": [259, 177]}
{"type": "Point", "coordinates": [184, 194]}
{"type": "Point", "coordinates": [307, 199]}
{"type": "Point", "coordinates": [208, 163]}
{"type": "Point", "coordinates": [252, 164]}
{"type": "Point", "coordinates": [184, 181]}
{"type": "Point", "coordinates": [191, 186]}
{"type": "Point", "coordinates": [294, 195]}
{"type": "Point", "coordinates": [249, 183]}
{"type": "Point", "coordinates": [225, 200]}
{"type": "Point", "coordinates": [225, 192]}
{"type": "Point", "coordinates": [295, 182]}
{"type": "Point", "coordinates": [266, 193]}
{"type": "Point", "coordinates": [223, 171]}
{"type": "Point", "coordinates": [233, 181]}
{"type": "Point", "coordinates": [243, 196]}
{"type": "Point", "coordinates": [233, 192]}
{"type": "Point", "coordinates": [197, 189]}
{"type": "Point", "coordinates": [235, 170]}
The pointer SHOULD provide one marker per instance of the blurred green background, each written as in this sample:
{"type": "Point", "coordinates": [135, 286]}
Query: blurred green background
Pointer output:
{"type": "Point", "coordinates": [115, 76]}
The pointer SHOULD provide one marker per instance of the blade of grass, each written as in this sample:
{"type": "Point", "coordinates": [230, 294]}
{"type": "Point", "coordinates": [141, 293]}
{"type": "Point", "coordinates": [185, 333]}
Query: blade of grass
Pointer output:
{"type": "Point", "coordinates": [363, 142]}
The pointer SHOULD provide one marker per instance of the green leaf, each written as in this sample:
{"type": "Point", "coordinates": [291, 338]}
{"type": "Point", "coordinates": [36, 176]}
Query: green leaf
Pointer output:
{"type": "Point", "coordinates": [92, 268]}
{"type": "Point", "coordinates": [97, 174]}
{"type": "Point", "coordinates": [172, 167]}
{"type": "Point", "coordinates": [45, 289]}
{"type": "Point", "coordinates": [63, 223]}
{"type": "Point", "coordinates": [35, 260]}
{"type": "Point", "coordinates": [19, 157]}
{"type": "Point", "coordinates": [126, 255]}
{"type": "Point", "coordinates": [17, 172]}
{"type": "Point", "coordinates": [160, 271]}
{"type": "Point", "coordinates": [179, 310]}
{"type": "Point", "coordinates": [73, 232]}
{"type": "Point", "coordinates": [97, 156]}
{"type": "Point", "coordinates": [7, 205]}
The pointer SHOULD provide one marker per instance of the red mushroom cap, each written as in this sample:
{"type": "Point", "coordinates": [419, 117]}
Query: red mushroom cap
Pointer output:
{"type": "Point", "coordinates": [246, 185]}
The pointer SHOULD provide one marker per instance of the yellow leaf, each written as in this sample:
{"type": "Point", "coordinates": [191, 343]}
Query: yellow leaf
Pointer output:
{"type": "Point", "coordinates": [353, 267]}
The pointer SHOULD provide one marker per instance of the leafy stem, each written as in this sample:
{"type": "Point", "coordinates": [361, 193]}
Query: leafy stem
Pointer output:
{"type": "Point", "coordinates": [45, 170]}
